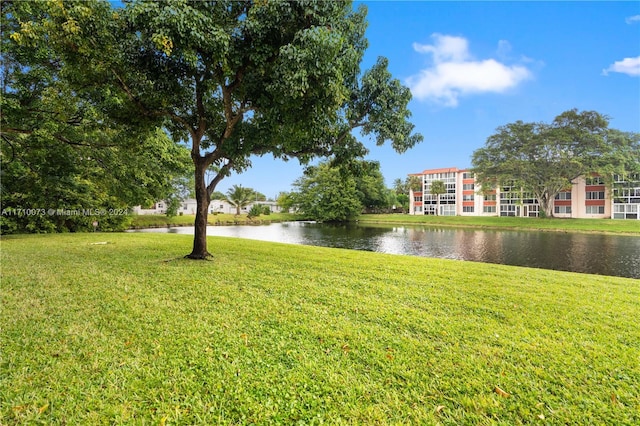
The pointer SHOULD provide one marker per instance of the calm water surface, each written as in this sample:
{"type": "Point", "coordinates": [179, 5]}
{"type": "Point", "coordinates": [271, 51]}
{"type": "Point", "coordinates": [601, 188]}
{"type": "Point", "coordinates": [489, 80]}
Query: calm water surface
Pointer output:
{"type": "Point", "coordinates": [616, 255]}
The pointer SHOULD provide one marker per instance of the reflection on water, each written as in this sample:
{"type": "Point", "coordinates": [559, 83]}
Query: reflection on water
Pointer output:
{"type": "Point", "coordinates": [591, 253]}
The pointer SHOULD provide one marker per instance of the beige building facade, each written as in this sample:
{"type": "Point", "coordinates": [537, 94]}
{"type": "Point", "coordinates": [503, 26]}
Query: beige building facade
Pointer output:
{"type": "Point", "coordinates": [588, 197]}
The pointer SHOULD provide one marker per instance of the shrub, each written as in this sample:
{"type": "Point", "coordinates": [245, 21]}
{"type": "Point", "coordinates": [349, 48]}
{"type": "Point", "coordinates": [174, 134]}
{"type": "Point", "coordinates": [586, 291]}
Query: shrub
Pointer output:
{"type": "Point", "coordinates": [256, 210]}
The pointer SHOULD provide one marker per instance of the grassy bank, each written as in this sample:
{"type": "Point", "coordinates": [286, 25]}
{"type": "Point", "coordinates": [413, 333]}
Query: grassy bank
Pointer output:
{"type": "Point", "coordinates": [537, 224]}
{"type": "Point", "coordinates": [161, 221]}
{"type": "Point", "coordinates": [120, 329]}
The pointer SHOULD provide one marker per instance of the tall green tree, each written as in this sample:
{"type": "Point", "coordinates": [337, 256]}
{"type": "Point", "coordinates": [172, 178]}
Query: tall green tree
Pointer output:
{"type": "Point", "coordinates": [332, 193]}
{"type": "Point", "coordinates": [414, 183]}
{"type": "Point", "coordinates": [240, 197]}
{"type": "Point", "coordinates": [403, 188]}
{"type": "Point", "coordinates": [399, 186]}
{"type": "Point", "coordinates": [233, 78]}
{"type": "Point", "coordinates": [403, 200]}
{"type": "Point", "coordinates": [411, 183]}
{"type": "Point", "coordinates": [372, 192]}
{"type": "Point", "coordinates": [59, 152]}
{"type": "Point", "coordinates": [258, 196]}
{"type": "Point", "coordinates": [437, 188]}
{"type": "Point", "coordinates": [285, 201]}
{"type": "Point", "coordinates": [545, 158]}
{"type": "Point", "coordinates": [327, 194]}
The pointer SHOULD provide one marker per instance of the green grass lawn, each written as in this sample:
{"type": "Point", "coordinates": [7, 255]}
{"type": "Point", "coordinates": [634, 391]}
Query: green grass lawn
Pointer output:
{"type": "Point", "coordinates": [120, 329]}
{"type": "Point", "coordinates": [573, 225]}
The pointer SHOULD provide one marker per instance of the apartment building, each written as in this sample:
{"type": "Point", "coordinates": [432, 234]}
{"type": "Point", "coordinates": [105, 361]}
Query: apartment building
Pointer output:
{"type": "Point", "coordinates": [626, 197]}
{"type": "Point", "coordinates": [588, 197]}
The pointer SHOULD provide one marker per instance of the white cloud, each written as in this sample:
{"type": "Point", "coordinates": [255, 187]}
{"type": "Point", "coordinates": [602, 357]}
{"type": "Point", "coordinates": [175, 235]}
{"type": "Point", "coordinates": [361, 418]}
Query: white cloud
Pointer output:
{"type": "Point", "coordinates": [446, 48]}
{"type": "Point", "coordinates": [632, 19]}
{"type": "Point", "coordinates": [455, 72]}
{"type": "Point", "coordinates": [629, 66]}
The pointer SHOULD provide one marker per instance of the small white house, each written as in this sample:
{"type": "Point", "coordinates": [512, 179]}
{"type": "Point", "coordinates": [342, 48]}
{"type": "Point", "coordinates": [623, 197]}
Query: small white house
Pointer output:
{"type": "Point", "coordinates": [158, 208]}
{"type": "Point", "coordinates": [188, 206]}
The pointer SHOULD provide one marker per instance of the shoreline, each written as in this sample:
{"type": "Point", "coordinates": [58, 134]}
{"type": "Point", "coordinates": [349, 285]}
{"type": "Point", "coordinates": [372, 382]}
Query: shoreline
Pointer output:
{"type": "Point", "coordinates": [589, 226]}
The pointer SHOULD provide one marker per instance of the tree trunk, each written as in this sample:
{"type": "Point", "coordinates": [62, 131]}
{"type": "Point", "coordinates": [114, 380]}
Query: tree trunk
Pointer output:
{"type": "Point", "coordinates": [202, 207]}
{"type": "Point", "coordinates": [546, 205]}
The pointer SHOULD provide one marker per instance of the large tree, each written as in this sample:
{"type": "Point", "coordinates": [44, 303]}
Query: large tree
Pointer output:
{"type": "Point", "coordinates": [403, 189]}
{"type": "Point", "coordinates": [61, 157]}
{"type": "Point", "coordinates": [285, 201]}
{"type": "Point", "coordinates": [327, 194]}
{"type": "Point", "coordinates": [331, 193]}
{"type": "Point", "coordinates": [372, 192]}
{"type": "Point", "coordinates": [411, 183]}
{"type": "Point", "coordinates": [233, 78]}
{"type": "Point", "coordinates": [546, 158]}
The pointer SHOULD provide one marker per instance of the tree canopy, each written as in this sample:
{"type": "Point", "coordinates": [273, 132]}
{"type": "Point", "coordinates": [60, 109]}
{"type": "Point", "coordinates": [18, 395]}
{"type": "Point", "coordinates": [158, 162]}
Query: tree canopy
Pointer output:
{"type": "Point", "coordinates": [234, 78]}
{"type": "Point", "coordinates": [240, 197]}
{"type": "Point", "coordinates": [411, 183]}
{"type": "Point", "coordinates": [545, 158]}
{"type": "Point", "coordinates": [61, 156]}
{"type": "Point", "coordinates": [329, 193]}
{"type": "Point", "coordinates": [403, 188]}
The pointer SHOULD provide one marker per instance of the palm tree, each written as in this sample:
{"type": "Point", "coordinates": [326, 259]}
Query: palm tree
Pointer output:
{"type": "Point", "coordinates": [399, 186]}
{"type": "Point", "coordinates": [239, 197]}
{"type": "Point", "coordinates": [437, 188]}
{"type": "Point", "coordinates": [414, 183]}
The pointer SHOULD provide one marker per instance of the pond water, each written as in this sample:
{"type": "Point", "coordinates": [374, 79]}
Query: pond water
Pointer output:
{"type": "Point", "coordinates": [616, 255]}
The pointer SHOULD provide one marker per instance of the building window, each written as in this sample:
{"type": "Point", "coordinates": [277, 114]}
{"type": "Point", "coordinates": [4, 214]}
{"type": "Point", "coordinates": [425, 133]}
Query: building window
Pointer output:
{"type": "Point", "coordinates": [490, 197]}
{"type": "Point", "coordinates": [467, 209]}
{"type": "Point", "coordinates": [489, 209]}
{"type": "Point", "coordinates": [563, 196]}
{"type": "Point", "coordinates": [417, 198]}
{"type": "Point", "coordinates": [562, 209]}
{"type": "Point", "coordinates": [448, 210]}
{"type": "Point", "coordinates": [595, 209]}
{"type": "Point", "coordinates": [533, 211]}
{"type": "Point", "coordinates": [467, 198]}
{"type": "Point", "coordinates": [467, 186]}
{"type": "Point", "coordinates": [448, 199]}
{"type": "Point", "coordinates": [596, 180]}
{"type": "Point", "coordinates": [467, 175]}
{"type": "Point", "coordinates": [595, 195]}
{"type": "Point", "coordinates": [507, 210]}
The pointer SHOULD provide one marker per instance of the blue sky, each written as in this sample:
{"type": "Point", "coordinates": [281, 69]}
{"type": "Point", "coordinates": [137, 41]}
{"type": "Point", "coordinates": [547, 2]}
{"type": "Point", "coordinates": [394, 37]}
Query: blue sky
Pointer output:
{"type": "Point", "coordinates": [474, 66]}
